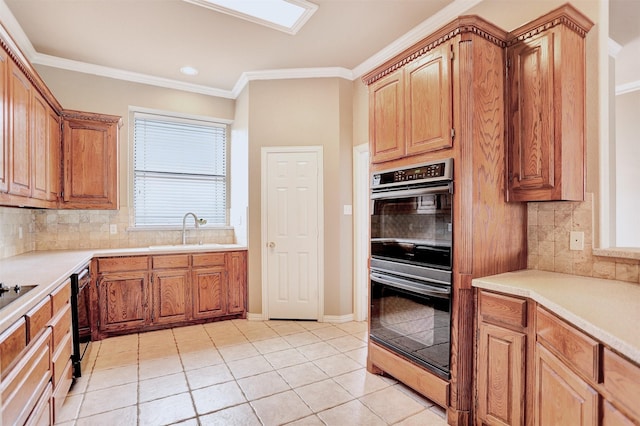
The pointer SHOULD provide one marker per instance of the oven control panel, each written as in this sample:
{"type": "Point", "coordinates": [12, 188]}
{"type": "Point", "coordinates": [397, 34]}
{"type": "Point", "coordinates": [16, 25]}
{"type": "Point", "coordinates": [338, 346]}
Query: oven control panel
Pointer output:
{"type": "Point", "coordinates": [441, 170]}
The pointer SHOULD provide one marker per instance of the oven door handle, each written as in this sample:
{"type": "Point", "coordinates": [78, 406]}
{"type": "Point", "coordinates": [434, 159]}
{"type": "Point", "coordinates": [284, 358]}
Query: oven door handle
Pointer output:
{"type": "Point", "coordinates": [425, 290]}
{"type": "Point", "coordinates": [405, 193]}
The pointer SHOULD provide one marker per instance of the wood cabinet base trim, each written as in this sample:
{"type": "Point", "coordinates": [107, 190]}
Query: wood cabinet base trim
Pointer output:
{"type": "Point", "coordinates": [422, 381]}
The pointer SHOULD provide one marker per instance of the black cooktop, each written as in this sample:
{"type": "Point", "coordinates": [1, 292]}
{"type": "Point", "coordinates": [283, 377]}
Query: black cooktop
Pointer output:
{"type": "Point", "coordinates": [8, 294]}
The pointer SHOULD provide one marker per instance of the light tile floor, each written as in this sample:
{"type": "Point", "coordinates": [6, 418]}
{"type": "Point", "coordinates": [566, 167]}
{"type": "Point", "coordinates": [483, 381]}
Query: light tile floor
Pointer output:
{"type": "Point", "coordinates": [241, 372]}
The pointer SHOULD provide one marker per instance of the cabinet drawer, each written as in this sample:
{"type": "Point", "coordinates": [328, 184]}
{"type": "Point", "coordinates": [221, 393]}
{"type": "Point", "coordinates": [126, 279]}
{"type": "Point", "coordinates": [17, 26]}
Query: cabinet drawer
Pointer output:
{"type": "Point", "coordinates": [622, 380]}
{"type": "Point", "coordinates": [38, 318]}
{"type": "Point", "coordinates": [60, 326]}
{"type": "Point", "coordinates": [170, 261]}
{"type": "Point", "coordinates": [60, 359]}
{"type": "Point", "coordinates": [12, 342]}
{"type": "Point", "coordinates": [21, 389]}
{"type": "Point", "coordinates": [208, 259]}
{"type": "Point", "coordinates": [579, 349]}
{"type": "Point", "coordinates": [61, 390]}
{"type": "Point", "coordinates": [41, 415]}
{"type": "Point", "coordinates": [501, 309]}
{"type": "Point", "coordinates": [61, 296]}
{"type": "Point", "coordinates": [123, 264]}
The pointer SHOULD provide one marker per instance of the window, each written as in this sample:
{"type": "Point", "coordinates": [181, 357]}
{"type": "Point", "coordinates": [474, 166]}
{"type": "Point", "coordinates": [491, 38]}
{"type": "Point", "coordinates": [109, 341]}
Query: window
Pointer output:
{"type": "Point", "coordinates": [180, 166]}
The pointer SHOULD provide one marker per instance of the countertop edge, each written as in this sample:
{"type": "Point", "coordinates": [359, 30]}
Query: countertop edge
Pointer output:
{"type": "Point", "coordinates": [607, 337]}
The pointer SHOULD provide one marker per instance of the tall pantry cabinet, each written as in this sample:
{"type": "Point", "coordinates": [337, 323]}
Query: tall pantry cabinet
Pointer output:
{"type": "Point", "coordinates": [452, 87]}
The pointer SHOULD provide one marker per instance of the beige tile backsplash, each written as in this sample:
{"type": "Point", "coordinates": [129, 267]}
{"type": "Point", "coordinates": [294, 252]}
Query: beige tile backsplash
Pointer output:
{"type": "Point", "coordinates": [80, 229]}
{"type": "Point", "coordinates": [548, 242]}
{"type": "Point", "coordinates": [549, 225]}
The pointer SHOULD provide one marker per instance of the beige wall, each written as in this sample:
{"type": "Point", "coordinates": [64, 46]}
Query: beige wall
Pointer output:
{"type": "Point", "coordinates": [306, 112]}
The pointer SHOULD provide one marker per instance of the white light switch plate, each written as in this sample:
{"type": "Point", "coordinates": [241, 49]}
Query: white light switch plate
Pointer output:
{"type": "Point", "coordinates": [348, 209]}
{"type": "Point", "coordinates": [576, 240]}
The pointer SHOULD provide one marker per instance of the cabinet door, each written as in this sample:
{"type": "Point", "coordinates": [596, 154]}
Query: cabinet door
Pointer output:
{"type": "Point", "coordinates": [237, 282]}
{"type": "Point", "coordinates": [531, 108]}
{"type": "Point", "coordinates": [560, 396]}
{"type": "Point", "coordinates": [19, 132]}
{"type": "Point", "coordinates": [427, 100]}
{"type": "Point", "coordinates": [611, 416]}
{"type": "Point", "coordinates": [386, 118]}
{"type": "Point", "coordinates": [90, 168]}
{"type": "Point", "coordinates": [501, 375]}
{"type": "Point", "coordinates": [209, 286]}
{"type": "Point", "coordinates": [4, 125]}
{"type": "Point", "coordinates": [55, 155]}
{"type": "Point", "coordinates": [122, 301]}
{"type": "Point", "coordinates": [40, 165]}
{"type": "Point", "coordinates": [170, 296]}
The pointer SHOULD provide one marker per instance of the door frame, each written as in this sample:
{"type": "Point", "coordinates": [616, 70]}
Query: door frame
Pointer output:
{"type": "Point", "coordinates": [263, 222]}
{"type": "Point", "coordinates": [360, 231]}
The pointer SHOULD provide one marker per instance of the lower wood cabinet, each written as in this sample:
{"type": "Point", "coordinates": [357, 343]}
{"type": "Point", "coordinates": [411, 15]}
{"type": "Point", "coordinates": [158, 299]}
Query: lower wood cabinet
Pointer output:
{"type": "Point", "coordinates": [533, 367]}
{"type": "Point", "coordinates": [208, 286]}
{"type": "Point", "coordinates": [138, 293]}
{"type": "Point", "coordinates": [561, 396]}
{"type": "Point", "coordinates": [123, 299]}
{"type": "Point", "coordinates": [35, 366]}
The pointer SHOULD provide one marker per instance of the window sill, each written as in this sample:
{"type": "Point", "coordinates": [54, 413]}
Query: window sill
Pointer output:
{"type": "Point", "coordinates": [176, 228]}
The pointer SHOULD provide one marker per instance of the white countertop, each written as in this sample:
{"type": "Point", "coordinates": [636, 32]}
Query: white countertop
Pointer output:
{"type": "Point", "coordinates": [49, 269]}
{"type": "Point", "coordinates": [608, 310]}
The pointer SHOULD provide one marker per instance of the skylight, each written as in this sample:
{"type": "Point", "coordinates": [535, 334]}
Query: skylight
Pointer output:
{"type": "Point", "coordinates": [284, 15]}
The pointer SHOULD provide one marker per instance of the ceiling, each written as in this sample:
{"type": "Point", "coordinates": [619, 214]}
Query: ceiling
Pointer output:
{"type": "Point", "coordinates": [150, 40]}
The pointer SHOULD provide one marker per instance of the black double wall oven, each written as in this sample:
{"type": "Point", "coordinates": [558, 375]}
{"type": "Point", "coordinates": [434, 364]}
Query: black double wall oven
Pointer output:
{"type": "Point", "coordinates": [410, 269]}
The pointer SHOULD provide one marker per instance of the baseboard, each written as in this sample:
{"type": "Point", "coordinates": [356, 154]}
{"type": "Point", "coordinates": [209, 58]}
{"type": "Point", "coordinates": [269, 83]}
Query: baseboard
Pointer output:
{"type": "Point", "coordinates": [335, 319]}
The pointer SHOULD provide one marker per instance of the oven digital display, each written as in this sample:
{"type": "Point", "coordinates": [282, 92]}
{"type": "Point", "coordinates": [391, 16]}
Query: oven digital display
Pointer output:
{"type": "Point", "coordinates": [428, 171]}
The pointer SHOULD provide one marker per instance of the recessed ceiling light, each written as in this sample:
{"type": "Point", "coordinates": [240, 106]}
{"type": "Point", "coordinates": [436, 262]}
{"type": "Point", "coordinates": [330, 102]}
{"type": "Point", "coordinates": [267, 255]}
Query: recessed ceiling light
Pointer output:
{"type": "Point", "coordinates": [189, 70]}
{"type": "Point", "coordinates": [284, 15]}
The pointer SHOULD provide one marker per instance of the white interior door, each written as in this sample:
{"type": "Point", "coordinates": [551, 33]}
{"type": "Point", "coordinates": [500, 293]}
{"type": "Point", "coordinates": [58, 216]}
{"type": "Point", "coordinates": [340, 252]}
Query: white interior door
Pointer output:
{"type": "Point", "coordinates": [292, 212]}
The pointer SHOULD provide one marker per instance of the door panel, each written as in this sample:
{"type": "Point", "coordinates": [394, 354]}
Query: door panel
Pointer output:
{"type": "Point", "coordinates": [292, 234]}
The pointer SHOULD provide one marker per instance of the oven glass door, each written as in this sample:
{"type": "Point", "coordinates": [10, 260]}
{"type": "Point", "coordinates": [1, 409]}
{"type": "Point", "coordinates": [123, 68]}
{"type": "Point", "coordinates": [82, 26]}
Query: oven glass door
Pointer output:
{"type": "Point", "coordinates": [412, 319]}
{"type": "Point", "coordinates": [412, 229]}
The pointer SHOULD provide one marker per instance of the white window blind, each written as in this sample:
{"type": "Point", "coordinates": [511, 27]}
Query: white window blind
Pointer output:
{"type": "Point", "coordinates": [180, 166]}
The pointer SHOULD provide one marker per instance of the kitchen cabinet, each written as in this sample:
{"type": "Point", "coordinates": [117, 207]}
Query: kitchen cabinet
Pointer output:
{"type": "Point", "coordinates": [5, 158]}
{"type": "Point", "coordinates": [455, 79]}
{"type": "Point", "coordinates": [210, 285]}
{"type": "Point", "coordinates": [562, 375]}
{"type": "Point", "coordinates": [237, 282]}
{"type": "Point", "coordinates": [35, 361]}
{"type": "Point", "coordinates": [90, 160]}
{"type": "Point", "coordinates": [561, 396]}
{"type": "Point", "coordinates": [139, 293]}
{"type": "Point", "coordinates": [124, 301]}
{"type": "Point", "coordinates": [170, 284]}
{"type": "Point", "coordinates": [55, 155]}
{"type": "Point", "coordinates": [501, 359]}
{"type": "Point", "coordinates": [546, 108]}
{"type": "Point", "coordinates": [410, 110]}
{"type": "Point", "coordinates": [40, 165]}
{"type": "Point", "coordinates": [19, 132]}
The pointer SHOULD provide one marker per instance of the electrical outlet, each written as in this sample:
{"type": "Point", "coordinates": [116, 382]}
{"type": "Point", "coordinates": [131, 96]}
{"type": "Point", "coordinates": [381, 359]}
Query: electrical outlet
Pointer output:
{"type": "Point", "coordinates": [576, 240]}
{"type": "Point", "coordinates": [20, 232]}
{"type": "Point", "coordinates": [113, 229]}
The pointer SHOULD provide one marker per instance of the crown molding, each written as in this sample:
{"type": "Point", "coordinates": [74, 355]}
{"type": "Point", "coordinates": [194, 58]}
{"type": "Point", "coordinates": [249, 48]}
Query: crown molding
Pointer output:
{"type": "Point", "coordinates": [441, 18]}
{"type": "Point", "coordinates": [13, 32]}
{"type": "Point", "coordinates": [625, 88]}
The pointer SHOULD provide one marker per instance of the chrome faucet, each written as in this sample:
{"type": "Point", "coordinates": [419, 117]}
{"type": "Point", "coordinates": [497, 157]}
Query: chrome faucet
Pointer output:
{"type": "Point", "coordinates": [197, 222]}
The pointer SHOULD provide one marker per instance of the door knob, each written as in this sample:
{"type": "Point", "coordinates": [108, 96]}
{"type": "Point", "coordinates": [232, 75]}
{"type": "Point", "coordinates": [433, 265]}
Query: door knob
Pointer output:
{"type": "Point", "coordinates": [271, 244]}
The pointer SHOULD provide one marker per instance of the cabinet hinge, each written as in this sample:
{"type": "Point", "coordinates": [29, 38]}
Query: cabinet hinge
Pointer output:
{"type": "Point", "coordinates": [453, 133]}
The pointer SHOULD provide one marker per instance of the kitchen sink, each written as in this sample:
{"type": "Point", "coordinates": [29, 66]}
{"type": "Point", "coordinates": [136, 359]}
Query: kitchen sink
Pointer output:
{"type": "Point", "coordinates": [188, 247]}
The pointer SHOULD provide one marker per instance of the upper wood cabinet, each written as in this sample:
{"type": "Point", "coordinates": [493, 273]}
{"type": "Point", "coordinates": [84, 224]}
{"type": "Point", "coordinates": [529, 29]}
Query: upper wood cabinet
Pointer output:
{"type": "Point", "coordinates": [546, 108]}
{"type": "Point", "coordinates": [428, 109]}
{"type": "Point", "coordinates": [410, 110]}
{"type": "Point", "coordinates": [19, 132]}
{"type": "Point", "coordinates": [90, 160]}
{"type": "Point", "coordinates": [386, 118]}
{"type": "Point", "coordinates": [4, 139]}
